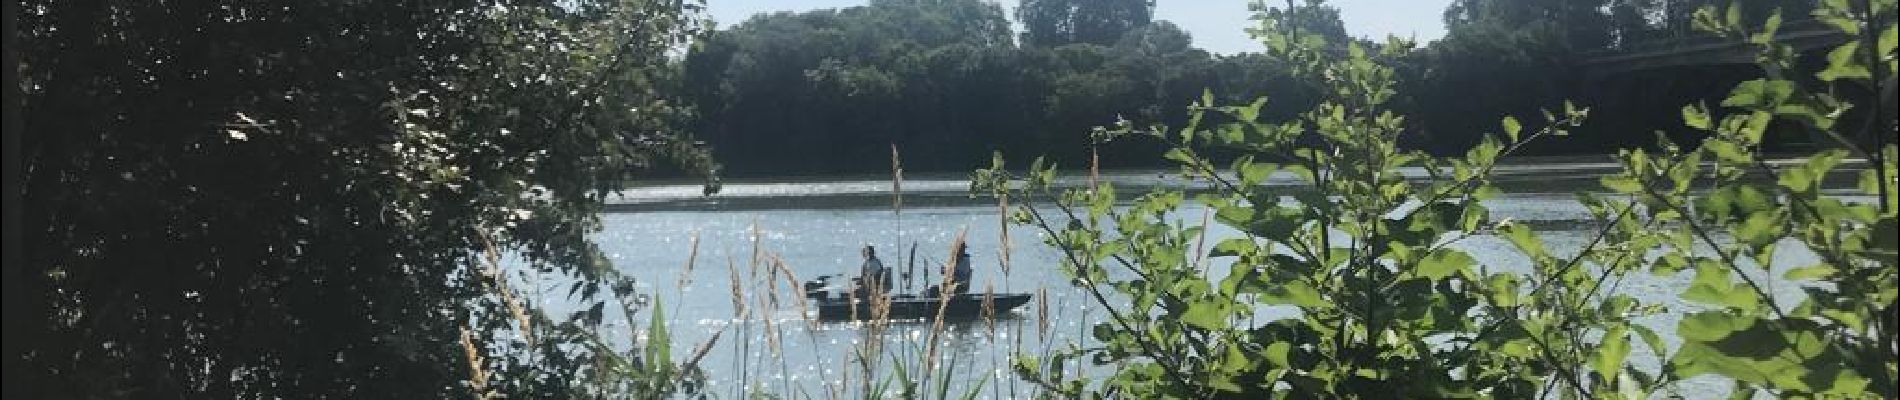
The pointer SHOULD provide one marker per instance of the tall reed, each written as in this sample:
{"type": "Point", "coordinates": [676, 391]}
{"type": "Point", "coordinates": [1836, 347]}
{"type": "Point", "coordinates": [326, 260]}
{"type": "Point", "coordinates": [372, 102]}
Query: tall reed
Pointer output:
{"type": "Point", "coordinates": [889, 358]}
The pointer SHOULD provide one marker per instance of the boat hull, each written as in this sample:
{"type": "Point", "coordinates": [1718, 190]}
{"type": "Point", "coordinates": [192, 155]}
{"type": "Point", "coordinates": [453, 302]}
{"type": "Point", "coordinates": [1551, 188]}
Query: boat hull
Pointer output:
{"type": "Point", "coordinates": [964, 306]}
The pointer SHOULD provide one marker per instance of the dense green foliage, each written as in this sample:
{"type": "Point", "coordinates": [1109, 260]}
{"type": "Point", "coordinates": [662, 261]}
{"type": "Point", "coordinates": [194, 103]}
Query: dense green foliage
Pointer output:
{"type": "Point", "coordinates": [307, 199]}
{"type": "Point", "coordinates": [1384, 301]}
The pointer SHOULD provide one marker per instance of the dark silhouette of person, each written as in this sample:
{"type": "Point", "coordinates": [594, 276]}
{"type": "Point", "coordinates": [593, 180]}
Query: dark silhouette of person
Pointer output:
{"type": "Point", "coordinates": [957, 274]}
{"type": "Point", "coordinates": [873, 277]}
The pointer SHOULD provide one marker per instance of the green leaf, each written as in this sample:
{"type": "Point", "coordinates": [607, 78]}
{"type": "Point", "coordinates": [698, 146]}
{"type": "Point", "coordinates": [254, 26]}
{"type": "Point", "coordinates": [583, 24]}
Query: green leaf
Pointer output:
{"type": "Point", "coordinates": [1888, 38]}
{"type": "Point", "coordinates": [1769, 27]}
{"type": "Point", "coordinates": [1843, 63]}
{"type": "Point", "coordinates": [1277, 354]}
{"type": "Point", "coordinates": [1513, 340]}
{"type": "Point", "coordinates": [1714, 285]}
{"type": "Point", "coordinates": [1525, 239]}
{"type": "Point", "coordinates": [1704, 20]}
{"type": "Point", "coordinates": [1233, 247]}
{"type": "Point", "coordinates": [1297, 293]}
{"type": "Point", "coordinates": [1231, 134]}
{"type": "Point", "coordinates": [1737, 202]}
{"type": "Point", "coordinates": [1503, 289]}
{"type": "Point", "coordinates": [1760, 93]}
{"type": "Point", "coordinates": [1760, 228]}
{"type": "Point", "coordinates": [1206, 314]}
{"type": "Point", "coordinates": [1869, 182]}
{"type": "Point", "coordinates": [1727, 151]}
{"type": "Point", "coordinates": [1512, 128]}
{"type": "Point", "coordinates": [1711, 325]}
{"type": "Point", "coordinates": [1651, 339]}
{"type": "Point", "coordinates": [1251, 112]}
{"type": "Point", "coordinates": [1834, 12]}
{"type": "Point", "coordinates": [659, 344]}
{"type": "Point", "coordinates": [1695, 116]}
{"type": "Point", "coordinates": [1251, 172]}
{"type": "Point", "coordinates": [1812, 272]}
{"type": "Point", "coordinates": [1621, 183]}
{"type": "Point", "coordinates": [1756, 125]}
{"type": "Point", "coordinates": [1180, 155]}
{"type": "Point", "coordinates": [1669, 264]}
{"type": "Point", "coordinates": [1234, 360]}
{"type": "Point", "coordinates": [1443, 263]}
{"type": "Point", "coordinates": [1475, 216]}
{"type": "Point", "coordinates": [1612, 352]}
{"type": "Point", "coordinates": [1806, 112]}
{"type": "Point", "coordinates": [1733, 18]}
{"type": "Point", "coordinates": [1807, 177]}
{"type": "Point", "coordinates": [1630, 386]}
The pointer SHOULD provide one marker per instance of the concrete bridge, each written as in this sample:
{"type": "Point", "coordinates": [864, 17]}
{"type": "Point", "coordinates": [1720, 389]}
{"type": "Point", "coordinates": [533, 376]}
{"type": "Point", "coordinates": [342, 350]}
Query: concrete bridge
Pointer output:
{"type": "Point", "coordinates": [1803, 35]}
{"type": "Point", "coordinates": [1632, 70]}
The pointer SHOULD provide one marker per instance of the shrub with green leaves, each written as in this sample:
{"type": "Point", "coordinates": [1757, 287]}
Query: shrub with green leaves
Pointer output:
{"type": "Point", "coordinates": [1386, 303]}
{"type": "Point", "coordinates": [1359, 248]}
{"type": "Point", "coordinates": [1724, 210]}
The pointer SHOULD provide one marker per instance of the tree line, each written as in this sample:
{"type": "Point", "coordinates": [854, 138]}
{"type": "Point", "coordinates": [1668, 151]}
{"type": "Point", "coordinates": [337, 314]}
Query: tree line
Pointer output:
{"type": "Point", "coordinates": [949, 81]}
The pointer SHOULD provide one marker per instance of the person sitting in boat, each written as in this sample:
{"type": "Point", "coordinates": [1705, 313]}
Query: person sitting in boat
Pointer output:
{"type": "Point", "coordinates": [956, 274]}
{"type": "Point", "coordinates": [873, 277]}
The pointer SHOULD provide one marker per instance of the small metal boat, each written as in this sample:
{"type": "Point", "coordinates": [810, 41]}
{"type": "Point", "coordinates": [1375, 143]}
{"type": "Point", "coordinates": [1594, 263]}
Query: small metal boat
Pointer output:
{"type": "Point", "coordinates": [845, 306]}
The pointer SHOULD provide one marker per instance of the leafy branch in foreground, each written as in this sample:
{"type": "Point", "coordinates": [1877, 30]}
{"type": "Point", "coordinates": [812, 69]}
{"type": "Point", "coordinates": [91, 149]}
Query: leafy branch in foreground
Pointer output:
{"type": "Point", "coordinates": [1731, 215]}
{"type": "Point", "coordinates": [1384, 301]}
{"type": "Point", "coordinates": [1363, 251]}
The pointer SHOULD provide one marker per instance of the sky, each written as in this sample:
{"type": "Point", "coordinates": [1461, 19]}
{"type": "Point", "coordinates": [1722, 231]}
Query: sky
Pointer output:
{"type": "Point", "coordinates": [1215, 24]}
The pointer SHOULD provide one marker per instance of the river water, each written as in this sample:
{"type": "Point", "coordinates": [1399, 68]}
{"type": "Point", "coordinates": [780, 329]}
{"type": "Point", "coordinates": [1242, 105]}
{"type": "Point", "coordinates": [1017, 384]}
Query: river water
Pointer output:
{"type": "Point", "coordinates": [815, 226]}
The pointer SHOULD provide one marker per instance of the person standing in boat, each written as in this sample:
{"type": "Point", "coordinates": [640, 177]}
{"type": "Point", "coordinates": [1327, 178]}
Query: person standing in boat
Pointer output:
{"type": "Point", "coordinates": [873, 277]}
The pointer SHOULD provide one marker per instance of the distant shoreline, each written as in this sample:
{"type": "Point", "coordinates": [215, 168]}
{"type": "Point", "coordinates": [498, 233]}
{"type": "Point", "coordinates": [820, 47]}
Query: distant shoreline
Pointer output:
{"type": "Point", "coordinates": [1556, 161]}
{"type": "Point", "coordinates": [1551, 175]}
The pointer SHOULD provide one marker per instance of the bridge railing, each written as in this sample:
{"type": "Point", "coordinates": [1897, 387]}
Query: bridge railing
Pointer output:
{"type": "Point", "coordinates": [1803, 35]}
{"type": "Point", "coordinates": [1791, 29]}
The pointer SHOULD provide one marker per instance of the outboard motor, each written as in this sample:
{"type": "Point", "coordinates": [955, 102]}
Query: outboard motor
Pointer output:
{"type": "Point", "coordinates": [815, 289]}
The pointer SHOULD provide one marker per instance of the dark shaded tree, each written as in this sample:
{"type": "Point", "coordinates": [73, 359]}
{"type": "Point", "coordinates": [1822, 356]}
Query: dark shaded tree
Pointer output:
{"type": "Point", "coordinates": [295, 199]}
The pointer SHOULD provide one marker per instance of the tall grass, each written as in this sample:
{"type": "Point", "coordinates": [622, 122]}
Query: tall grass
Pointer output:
{"type": "Point", "coordinates": [771, 316]}
{"type": "Point", "coordinates": [889, 359]}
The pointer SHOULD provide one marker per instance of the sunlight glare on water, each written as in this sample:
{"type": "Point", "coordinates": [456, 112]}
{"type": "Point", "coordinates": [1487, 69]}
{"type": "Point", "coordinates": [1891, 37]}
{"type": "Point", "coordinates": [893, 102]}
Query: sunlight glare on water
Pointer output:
{"type": "Point", "coordinates": [816, 227]}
